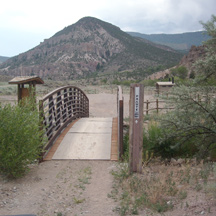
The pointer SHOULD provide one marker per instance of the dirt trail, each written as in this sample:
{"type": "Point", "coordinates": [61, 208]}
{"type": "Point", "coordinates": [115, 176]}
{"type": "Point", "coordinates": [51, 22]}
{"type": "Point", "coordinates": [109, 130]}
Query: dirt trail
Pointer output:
{"type": "Point", "coordinates": [64, 188]}
{"type": "Point", "coordinates": [98, 202]}
{"type": "Point", "coordinates": [60, 188]}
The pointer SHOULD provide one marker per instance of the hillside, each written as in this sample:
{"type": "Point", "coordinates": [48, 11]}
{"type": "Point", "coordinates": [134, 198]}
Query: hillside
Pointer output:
{"type": "Point", "coordinates": [181, 42]}
{"type": "Point", "coordinates": [86, 47]}
{"type": "Point", "coordinates": [195, 53]}
{"type": "Point", "coordinates": [3, 59]}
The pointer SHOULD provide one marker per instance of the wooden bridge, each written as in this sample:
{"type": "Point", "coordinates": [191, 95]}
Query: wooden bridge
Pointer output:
{"type": "Point", "coordinates": [71, 134]}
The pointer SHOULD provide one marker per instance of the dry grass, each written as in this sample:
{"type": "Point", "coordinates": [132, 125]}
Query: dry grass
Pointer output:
{"type": "Point", "coordinates": [161, 188]}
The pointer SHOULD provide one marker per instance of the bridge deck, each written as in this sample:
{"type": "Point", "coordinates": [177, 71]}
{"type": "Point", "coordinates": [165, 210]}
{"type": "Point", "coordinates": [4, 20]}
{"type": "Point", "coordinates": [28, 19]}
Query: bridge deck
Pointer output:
{"type": "Point", "coordinates": [87, 139]}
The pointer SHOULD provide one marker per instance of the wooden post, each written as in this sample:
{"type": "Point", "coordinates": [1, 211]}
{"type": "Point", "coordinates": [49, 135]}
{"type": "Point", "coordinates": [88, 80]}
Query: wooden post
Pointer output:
{"type": "Point", "coordinates": [41, 126]}
{"type": "Point", "coordinates": [136, 127]}
{"type": "Point", "coordinates": [120, 109]}
{"type": "Point", "coordinates": [147, 107]}
{"type": "Point", "coordinates": [157, 105]}
{"type": "Point", "coordinates": [120, 132]}
{"type": "Point", "coordinates": [19, 94]}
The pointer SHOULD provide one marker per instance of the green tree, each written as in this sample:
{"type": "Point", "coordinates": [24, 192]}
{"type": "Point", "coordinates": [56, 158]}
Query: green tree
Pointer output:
{"type": "Point", "coordinates": [192, 75]}
{"type": "Point", "coordinates": [192, 125]}
{"type": "Point", "coordinates": [180, 72]}
{"type": "Point", "coordinates": [206, 68]}
{"type": "Point", "coordinates": [210, 27]}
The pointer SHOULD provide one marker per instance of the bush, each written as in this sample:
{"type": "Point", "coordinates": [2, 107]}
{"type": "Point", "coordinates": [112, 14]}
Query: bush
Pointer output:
{"type": "Point", "coordinates": [20, 138]}
{"type": "Point", "coordinates": [180, 72]}
{"type": "Point", "coordinates": [193, 122]}
{"type": "Point", "coordinates": [149, 82]}
{"type": "Point", "coordinates": [126, 145]}
{"type": "Point", "coordinates": [127, 82]}
{"type": "Point", "coordinates": [116, 82]}
{"type": "Point", "coordinates": [154, 143]}
{"type": "Point", "coordinates": [158, 142]}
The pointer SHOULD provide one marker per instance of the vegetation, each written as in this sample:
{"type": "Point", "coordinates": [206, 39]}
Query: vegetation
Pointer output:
{"type": "Point", "coordinates": [180, 72]}
{"type": "Point", "coordinates": [159, 189]}
{"type": "Point", "coordinates": [2, 59]}
{"type": "Point", "coordinates": [186, 132]}
{"type": "Point", "coordinates": [177, 41]}
{"type": "Point", "coordinates": [20, 138]}
{"type": "Point", "coordinates": [7, 90]}
{"type": "Point", "coordinates": [190, 129]}
{"type": "Point", "coordinates": [193, 122]}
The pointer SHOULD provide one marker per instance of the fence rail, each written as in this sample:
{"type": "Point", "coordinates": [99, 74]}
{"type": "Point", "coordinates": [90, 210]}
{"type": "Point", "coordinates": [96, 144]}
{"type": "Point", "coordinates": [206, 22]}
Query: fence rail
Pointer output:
{"type": "Point", "coordinates": [59, 108]}
{"type": "Point", "coordinates": [157, 108]}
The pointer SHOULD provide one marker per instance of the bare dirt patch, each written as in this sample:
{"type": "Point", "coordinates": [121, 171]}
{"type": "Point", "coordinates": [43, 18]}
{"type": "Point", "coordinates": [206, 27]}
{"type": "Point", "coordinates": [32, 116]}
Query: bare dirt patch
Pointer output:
{"type": "Point", "coordinates": [60, 188]}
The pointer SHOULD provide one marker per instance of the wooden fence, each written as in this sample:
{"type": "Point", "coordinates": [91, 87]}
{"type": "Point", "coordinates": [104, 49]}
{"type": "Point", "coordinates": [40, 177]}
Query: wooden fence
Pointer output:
{"type": "Point", "coordinates": [59, 108]}
{"type": "Point", "coordinates": [156, 107]}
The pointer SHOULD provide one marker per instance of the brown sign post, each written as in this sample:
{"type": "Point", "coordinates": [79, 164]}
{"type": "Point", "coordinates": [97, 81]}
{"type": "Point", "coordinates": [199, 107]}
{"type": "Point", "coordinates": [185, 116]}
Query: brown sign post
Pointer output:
{"type": "Point", "coordinates": [136, 127]}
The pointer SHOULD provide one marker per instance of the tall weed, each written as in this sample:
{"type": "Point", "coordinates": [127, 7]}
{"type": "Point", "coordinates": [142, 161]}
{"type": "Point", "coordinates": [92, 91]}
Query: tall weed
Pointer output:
{"type": "Point", "coordinates": [155, 144]}
{"type": "Point", "coordinates": [20, 138]}
{"type": "Point", "coordinates": [160, 187]}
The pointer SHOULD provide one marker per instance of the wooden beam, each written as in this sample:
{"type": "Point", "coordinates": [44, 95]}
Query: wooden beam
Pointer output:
{"type": "Point", "coordinates": [136, 127]}
{"type": "Point", "coordinates": [19, 92]}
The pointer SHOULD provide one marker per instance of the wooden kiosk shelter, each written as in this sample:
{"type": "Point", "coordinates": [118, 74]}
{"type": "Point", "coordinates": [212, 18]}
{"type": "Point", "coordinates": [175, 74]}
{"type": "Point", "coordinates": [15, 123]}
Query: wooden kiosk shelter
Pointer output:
{"type": "Point", "coordinates": [26, 85]}
{"type": "Point", "coordinates": [162, 87]}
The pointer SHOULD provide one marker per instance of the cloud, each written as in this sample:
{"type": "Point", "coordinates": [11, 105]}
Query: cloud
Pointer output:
{"type": "Point", "coordinates": [161, 16]}
{"type": "Point", "coordinates": [43, 18]}
{"type": "Point", "coordinates": [53, 15]}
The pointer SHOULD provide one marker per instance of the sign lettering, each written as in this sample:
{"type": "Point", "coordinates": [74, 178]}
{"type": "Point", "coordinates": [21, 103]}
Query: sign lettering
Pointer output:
{"type": "Point", "coordinates": [137, 93]}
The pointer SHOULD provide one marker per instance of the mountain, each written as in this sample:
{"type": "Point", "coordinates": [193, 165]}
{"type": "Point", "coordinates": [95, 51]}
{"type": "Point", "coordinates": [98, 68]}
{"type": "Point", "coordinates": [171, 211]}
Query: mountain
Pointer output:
{"type": "Point", "coordinates": [182, 42]}
{"type": "Point", "coordinates": [195, 53]}
{"type": "Point", "coordinates": [3, 59]}
{"type": "Point", "coordinates": [86, 47]}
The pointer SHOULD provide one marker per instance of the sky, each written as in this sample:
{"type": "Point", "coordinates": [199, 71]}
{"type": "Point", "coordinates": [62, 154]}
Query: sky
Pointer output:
{"type": "Point", "coordinates": [26, 23]}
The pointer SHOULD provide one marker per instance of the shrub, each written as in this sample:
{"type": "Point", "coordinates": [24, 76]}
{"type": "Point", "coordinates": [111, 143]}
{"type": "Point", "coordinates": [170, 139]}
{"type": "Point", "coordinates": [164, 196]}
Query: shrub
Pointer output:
{"type": "Point", "coordinates": [104, 81]}
{"type": "Point", "coordinates": [180, 72]}
{"type": "Point", "coordinates": [158, 141]}
{"type": "Point", "coordinates": [155, 143]}
{"type": "Point", "coordinates": [193, 121]}
{"type": "Point", "coordinates": [149, 82]}
{"type": "Point", "coordinates": [126, 145]}
{"type": "Point", "coordinates": [116, 82]}
{"type": "Point", "coordinates": [20, 138]}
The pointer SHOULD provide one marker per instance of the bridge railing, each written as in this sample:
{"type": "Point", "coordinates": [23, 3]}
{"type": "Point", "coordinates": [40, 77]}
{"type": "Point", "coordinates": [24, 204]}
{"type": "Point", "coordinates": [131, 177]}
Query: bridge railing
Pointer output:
{"type": "Point", "coordinates": [59, 108]}
{"type": "Point", "coordinates": [120, 109]}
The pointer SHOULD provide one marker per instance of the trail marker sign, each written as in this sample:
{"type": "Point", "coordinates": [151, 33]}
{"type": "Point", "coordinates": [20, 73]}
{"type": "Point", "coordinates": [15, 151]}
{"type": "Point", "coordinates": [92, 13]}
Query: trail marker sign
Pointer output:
{"type": "Point", "coordinates": [136, 111]}
{"type": "Point", "coordinates": [136, 127]}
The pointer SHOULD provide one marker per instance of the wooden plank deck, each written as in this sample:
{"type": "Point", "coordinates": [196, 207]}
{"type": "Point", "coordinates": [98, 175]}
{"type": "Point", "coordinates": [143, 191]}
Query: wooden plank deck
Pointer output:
{"type": "Point", "coordinates": [100, 136]}
{"type": "Point", "coordinates": [53, 149]}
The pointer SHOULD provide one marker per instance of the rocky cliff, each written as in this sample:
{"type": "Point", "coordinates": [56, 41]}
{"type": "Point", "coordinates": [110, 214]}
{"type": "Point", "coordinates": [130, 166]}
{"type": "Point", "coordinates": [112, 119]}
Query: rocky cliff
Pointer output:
{"type": "Point", "coordinates": [195, 53]}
